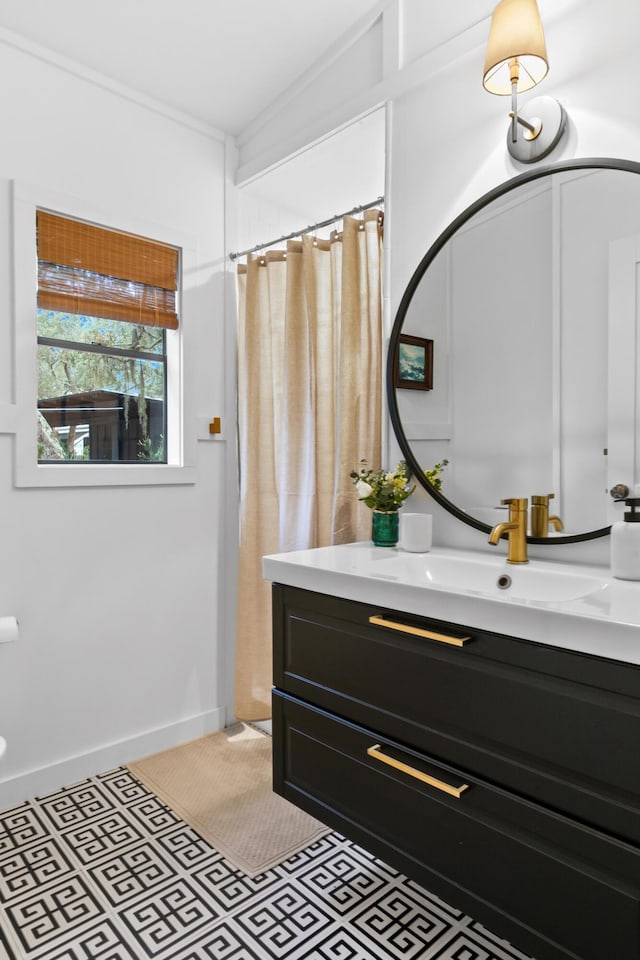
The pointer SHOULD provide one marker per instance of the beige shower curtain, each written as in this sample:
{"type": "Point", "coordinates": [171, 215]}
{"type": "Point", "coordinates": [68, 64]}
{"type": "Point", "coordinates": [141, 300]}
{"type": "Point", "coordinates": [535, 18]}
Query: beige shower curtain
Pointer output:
{"type": "Point", "coordinates": [309, 387]}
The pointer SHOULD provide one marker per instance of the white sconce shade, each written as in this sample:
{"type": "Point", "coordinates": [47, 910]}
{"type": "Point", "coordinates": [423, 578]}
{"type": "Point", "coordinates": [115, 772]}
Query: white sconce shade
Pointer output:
{"type": "Point", "coordinates": [516, 35]}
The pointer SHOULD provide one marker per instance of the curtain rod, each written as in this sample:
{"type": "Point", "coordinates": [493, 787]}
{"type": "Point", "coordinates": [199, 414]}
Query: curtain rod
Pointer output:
{"type": "Point", "coordinates": [309, 229]}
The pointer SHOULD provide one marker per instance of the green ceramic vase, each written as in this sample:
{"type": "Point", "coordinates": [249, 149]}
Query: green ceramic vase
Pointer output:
{"type": "Point", "coordinates": [384, 528]}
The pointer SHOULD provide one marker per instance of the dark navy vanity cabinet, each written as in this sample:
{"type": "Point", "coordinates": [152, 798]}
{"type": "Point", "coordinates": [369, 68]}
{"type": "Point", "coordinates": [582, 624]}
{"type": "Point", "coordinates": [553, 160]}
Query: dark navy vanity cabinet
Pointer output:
{"type": "Point", "coordinates": [502, 774]}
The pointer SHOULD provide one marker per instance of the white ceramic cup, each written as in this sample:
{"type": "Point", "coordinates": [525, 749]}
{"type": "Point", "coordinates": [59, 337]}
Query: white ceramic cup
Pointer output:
{"type": "Point", "coordinates": [415, 532]}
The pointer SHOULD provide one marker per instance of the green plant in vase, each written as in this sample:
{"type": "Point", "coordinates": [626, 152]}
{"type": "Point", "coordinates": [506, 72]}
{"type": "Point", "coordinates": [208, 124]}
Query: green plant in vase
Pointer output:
{"type": "Point", "coordinates": [383, 492]}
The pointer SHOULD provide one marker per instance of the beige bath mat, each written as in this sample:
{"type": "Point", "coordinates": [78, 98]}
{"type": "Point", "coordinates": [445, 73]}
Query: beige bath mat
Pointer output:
{"type": "Point", "coordinates": [221, 786]}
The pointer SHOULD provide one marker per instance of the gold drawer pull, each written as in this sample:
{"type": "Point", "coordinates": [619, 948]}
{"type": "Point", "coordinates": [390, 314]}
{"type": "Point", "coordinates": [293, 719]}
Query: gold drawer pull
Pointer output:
{"type": "Point", "coordinates": [419, 632]}
{"type": "Point", "coordinates": [377, 754]}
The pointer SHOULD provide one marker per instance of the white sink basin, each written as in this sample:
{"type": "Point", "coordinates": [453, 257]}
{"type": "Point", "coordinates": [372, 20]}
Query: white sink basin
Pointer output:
{"type": "Point", "coordinates": [490, 576]}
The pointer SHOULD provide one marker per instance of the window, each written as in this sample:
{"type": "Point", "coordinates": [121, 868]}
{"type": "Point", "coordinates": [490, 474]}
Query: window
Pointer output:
{"type": "Point", "coordinates": [106, 300]}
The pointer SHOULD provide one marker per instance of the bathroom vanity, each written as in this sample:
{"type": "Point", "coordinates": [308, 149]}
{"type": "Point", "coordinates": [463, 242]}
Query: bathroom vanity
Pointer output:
{"type": "Point", "coordinates": [483, 740]}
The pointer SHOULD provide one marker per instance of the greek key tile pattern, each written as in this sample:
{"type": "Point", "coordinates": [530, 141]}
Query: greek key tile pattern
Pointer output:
{"type": "Point", "coordinates": [102, 870]}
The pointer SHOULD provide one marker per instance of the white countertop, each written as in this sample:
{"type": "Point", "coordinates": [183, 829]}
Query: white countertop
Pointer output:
{"type": "Point", "coordinates": [604, 622]}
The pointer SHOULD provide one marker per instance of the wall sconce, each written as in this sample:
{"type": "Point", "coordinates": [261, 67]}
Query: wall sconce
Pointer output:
{"type": "Point", "coordinates": [516, 61]}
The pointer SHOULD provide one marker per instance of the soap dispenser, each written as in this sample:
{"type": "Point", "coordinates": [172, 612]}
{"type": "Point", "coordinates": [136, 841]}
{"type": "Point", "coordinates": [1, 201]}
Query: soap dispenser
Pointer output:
{"type": "Point", "coordinates": [625, 542]}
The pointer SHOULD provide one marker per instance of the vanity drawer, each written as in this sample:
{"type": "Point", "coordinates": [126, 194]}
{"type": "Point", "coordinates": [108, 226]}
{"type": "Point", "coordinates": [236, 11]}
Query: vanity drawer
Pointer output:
{"type": "Point", "coordinates": [506, 861]}
{"type": "Point", "coordinates": [558, 727]}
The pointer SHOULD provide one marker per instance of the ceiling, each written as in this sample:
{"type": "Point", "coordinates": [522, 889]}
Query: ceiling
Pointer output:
{"type": "Point", "coordinates": [221, 61]}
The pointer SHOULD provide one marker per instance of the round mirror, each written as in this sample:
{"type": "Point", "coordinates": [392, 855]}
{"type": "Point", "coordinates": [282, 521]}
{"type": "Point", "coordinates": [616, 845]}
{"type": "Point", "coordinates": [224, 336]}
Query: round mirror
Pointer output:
{"type": "Point", "coordinates": [513, 354]}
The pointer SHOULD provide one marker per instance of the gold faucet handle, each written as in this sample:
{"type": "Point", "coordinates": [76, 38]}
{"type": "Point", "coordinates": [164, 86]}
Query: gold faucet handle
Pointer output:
{"type": "Point", "coordinates": [516, 504]}
{"type": "Point", "coordinates": [542, 500]}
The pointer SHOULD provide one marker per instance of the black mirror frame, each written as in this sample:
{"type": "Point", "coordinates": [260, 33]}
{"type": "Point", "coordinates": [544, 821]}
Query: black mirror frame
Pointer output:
{"type": "Point", "coordinates": [630, 166]}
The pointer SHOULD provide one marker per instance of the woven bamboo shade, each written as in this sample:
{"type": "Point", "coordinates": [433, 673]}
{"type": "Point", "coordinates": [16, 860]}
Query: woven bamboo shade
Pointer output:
{"type": "Point", "coordinates": [86, 269]}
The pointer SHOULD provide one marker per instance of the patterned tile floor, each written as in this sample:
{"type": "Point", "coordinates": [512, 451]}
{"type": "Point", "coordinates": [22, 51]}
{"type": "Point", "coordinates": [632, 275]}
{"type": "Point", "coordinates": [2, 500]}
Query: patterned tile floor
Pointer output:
{"type": "Point", "coordinates": [102, 870]}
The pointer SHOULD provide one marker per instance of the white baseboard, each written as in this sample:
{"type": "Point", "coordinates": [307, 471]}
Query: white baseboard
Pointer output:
{"type": "Point", "coordinates": [62, 773]}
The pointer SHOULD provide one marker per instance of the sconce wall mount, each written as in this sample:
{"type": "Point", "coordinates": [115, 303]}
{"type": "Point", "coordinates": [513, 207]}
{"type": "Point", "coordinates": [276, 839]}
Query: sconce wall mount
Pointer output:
{"type": "Point", "coordinates": [548, 118]}
{"type": "Point", "coordinates": [516, 61]}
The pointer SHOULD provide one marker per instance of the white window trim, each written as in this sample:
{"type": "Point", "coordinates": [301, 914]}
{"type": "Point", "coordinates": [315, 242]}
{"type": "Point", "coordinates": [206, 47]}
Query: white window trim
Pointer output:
{"type": "Point", "coordinates": [181, 425]}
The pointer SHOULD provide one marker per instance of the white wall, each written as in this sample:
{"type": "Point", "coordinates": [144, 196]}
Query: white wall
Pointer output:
{"type": "Point", "coordinates": [122, 593]}
{"type": "Point", "coordinates": [343, 171]}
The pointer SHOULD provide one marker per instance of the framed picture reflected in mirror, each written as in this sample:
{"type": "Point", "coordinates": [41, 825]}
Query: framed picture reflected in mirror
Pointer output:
{"type": "Point", "coordinates": [414, 367]}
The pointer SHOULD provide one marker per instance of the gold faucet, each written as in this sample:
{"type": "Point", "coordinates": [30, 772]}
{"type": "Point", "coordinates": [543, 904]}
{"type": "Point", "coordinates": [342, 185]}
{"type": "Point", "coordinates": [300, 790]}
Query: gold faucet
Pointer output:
{"type": "Point", "coordinates": [515, 528]}
{"type": "Point", "coordinates": [540, 518]}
